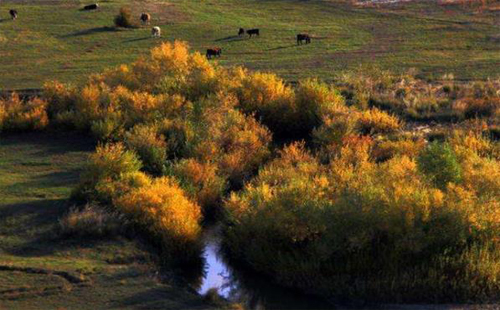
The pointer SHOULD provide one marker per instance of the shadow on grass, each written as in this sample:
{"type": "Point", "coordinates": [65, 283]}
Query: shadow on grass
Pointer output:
{"type": "Point", "coordinates": [30, 218]}
{"type": "Point", "coordinates": [155, 298]}
{"type": "Point", "coordinates": [137, 39]}
{"type": "Point", "coordinates": [46, 181]}
{"type": "Point", "coordinates": [38, 221]}
{"type": "Point", "coordinates": [50, 143]}
{"type": "Point", "coordinates": [91, 31]}
{"type": "Point", "coordinates": [281, 47]}
{"type": "Point", "coordinates": [230, 38]}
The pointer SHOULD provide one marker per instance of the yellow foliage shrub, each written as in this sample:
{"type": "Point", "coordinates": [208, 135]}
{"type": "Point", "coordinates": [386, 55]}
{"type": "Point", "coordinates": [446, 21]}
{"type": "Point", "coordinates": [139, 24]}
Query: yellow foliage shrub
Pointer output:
{"type": "Point", "coordinates": [108, 189]}
{"type": "Point", "coordinates": [314, 101]}
{"type": "Point", "coordinates": [164, 211]}
{"type": "Point", "coordinates": [387, 149]}
{"type": "Point", "coordinates": [19, 115]}
{"type": "Point", "coordinates": [59, 96]}
{"type": "Point", "coordinates": [273, 102]}
{"type": "Point", "coordinates": [375, 121]}
{"type": "Point", "coordinates": [203, 180]}
{"type": "Point", "coordinates": [336, 125]}
{"type": "Point", "coordinates": [237, 142]}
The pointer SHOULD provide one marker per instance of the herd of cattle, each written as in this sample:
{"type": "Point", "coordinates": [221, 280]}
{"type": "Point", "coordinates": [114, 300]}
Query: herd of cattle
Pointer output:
{"type": "Point", "coordinates": [211, 52]}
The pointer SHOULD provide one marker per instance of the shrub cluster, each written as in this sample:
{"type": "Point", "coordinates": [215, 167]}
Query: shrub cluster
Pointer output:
{"type": "Point", "coordinates": [19, 115]}
{"type": "Point", "coordinates": [171, 108]}
{"type": "Point", "coordinates": [369, 211]}
{"type": "Point", "coordinates": [417, 99]}
{"type": "Point", "coordinates": [156, 205]}
{"type": "Point", "coordinates": [419, 228]}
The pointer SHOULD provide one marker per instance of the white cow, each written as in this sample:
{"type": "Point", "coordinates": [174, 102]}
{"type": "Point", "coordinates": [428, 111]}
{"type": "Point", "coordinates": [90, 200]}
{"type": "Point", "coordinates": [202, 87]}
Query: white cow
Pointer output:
{"type": "Point", "coordinates": [156, 31]}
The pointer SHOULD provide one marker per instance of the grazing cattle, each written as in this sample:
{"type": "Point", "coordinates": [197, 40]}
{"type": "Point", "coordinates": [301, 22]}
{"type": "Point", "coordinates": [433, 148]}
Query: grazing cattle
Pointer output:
{"type": "Point", "coordinates": [251, 32]}
{"type": "Point", "coordinates": [241, 32]}
{"type": "Point", "coordinates": [145, 18]}
{"type": "Point", "coordinates": [215, 51]}
{"type": "Point", "coordinates": [303, 37]}
{"type": "Point", "coordinates": [89, 7]}
{"type": "Point", "coordinates": [156, 31]}
{"type": "Point", "coordinates": [13, 14]}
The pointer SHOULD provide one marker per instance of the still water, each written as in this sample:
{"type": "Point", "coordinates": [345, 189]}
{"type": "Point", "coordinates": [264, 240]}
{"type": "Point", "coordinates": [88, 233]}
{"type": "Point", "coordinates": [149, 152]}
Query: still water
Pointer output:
{"type": "Point", "coordinates": [253, 292]}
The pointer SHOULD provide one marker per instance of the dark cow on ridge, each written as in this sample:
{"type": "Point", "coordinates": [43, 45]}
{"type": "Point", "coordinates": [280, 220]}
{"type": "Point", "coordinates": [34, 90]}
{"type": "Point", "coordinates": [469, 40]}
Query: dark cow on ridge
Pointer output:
{"type": "Point", "coordinates": [241, 32]}
{"type": "Point", "coordinates": [89, 7]}
{"type": "Point", "coordinates": [145, 18]}
{"type": "Point", "coordinates": [214, 51]}
{"type": "Point", "coordinates": [303, 37]}
{"type": "Point", "coordinates": [251, 32]}
{"type": "Point", "coordinates": [13, 14]}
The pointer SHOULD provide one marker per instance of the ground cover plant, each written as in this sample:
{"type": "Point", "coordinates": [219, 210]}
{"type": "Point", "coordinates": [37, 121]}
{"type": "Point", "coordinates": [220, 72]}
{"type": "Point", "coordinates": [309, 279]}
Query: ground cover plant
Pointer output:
{"type": "Point", "coordinates": [339, 197]}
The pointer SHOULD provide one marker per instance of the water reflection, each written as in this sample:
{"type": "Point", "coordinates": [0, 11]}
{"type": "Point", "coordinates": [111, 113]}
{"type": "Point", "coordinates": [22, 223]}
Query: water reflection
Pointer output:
{"type": "Point", "coordinates": [217, 274]}
{"type": "Point", "coordinates": [255, 293]}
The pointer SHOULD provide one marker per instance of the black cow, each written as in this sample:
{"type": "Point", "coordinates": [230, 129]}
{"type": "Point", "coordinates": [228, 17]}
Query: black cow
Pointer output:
{"type": "Point", "coordinates": [241, 31]}
{"type": "Point", "coordinates": [89, 7]}
{"type": "Point", "coordinates": [251, 32]}
{"type": "Point", "coordinates": [215, 51]}
{"type": "Point", "coordinates": [13, 14]}
{"type": "Point", "coordinates": [303, 37]}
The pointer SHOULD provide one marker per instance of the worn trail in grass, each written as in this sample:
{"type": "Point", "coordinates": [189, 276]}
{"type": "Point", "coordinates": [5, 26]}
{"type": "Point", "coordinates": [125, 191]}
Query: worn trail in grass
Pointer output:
{"type": "Point", "coordinates": [38, 269]}
{"type": "Point", "coordinates": [55, 40]}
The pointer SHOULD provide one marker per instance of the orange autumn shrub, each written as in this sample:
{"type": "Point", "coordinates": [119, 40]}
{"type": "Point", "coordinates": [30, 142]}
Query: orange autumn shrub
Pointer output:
{"type": "Point", "coordinates": [375, 121]}
{"type": "Point", "coordinates": [388, 148]}
{"type": "Point", "coordinates": [270, 99]}
{"type": "Point", "coordinates": [163, 209]}
{"type": "Point", "coordinates": [203, 181]}
{"type": "Point", "coordinates": [19, 115]}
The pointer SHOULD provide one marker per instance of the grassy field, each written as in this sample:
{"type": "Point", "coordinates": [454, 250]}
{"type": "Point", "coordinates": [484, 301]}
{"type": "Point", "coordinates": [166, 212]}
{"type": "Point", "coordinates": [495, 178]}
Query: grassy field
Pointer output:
{"type": "Point", "coordinates": [53, 39]}
{"type": "Point", "coordinates": [39, 270]}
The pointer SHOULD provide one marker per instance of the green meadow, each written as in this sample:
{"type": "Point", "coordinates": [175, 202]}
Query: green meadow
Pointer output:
{"type": "Point", "coordinates": [56, 40]}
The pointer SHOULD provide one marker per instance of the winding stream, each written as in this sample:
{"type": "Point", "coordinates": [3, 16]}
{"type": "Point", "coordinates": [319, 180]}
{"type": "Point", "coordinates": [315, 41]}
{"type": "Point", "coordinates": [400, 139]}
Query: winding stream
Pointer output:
{"type": "Point", "coordinates": [253, 292]}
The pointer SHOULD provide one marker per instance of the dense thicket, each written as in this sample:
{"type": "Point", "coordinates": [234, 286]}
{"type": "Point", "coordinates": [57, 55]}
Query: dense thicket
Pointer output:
{"type": "Point", "coordinates": [365, 207]}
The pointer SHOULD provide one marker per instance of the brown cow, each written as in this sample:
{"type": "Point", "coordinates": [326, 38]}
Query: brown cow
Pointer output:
{"type": "Point", "coordinates": [303, 37]}
{"type": "Point", "coordinates": [145, 18]}
{"type": "Point", "coordinates": [214, 51]}
{"type": "Point", "coordinates": [241, 32]}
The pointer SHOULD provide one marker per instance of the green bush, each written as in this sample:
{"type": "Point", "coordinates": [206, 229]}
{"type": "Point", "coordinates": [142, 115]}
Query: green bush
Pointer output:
{"type": "Point", "coordinates": [108, 164]}
{"type": "Point", "coordinates": [149, 145]}
{"type": "Point", "coordinates": [439, 163]}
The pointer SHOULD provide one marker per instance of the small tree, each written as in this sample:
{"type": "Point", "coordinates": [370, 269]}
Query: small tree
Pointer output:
{"type": "Point", "coordinates": [124, 18]}
{"type": "Point", "coordinates": [440, 164]}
